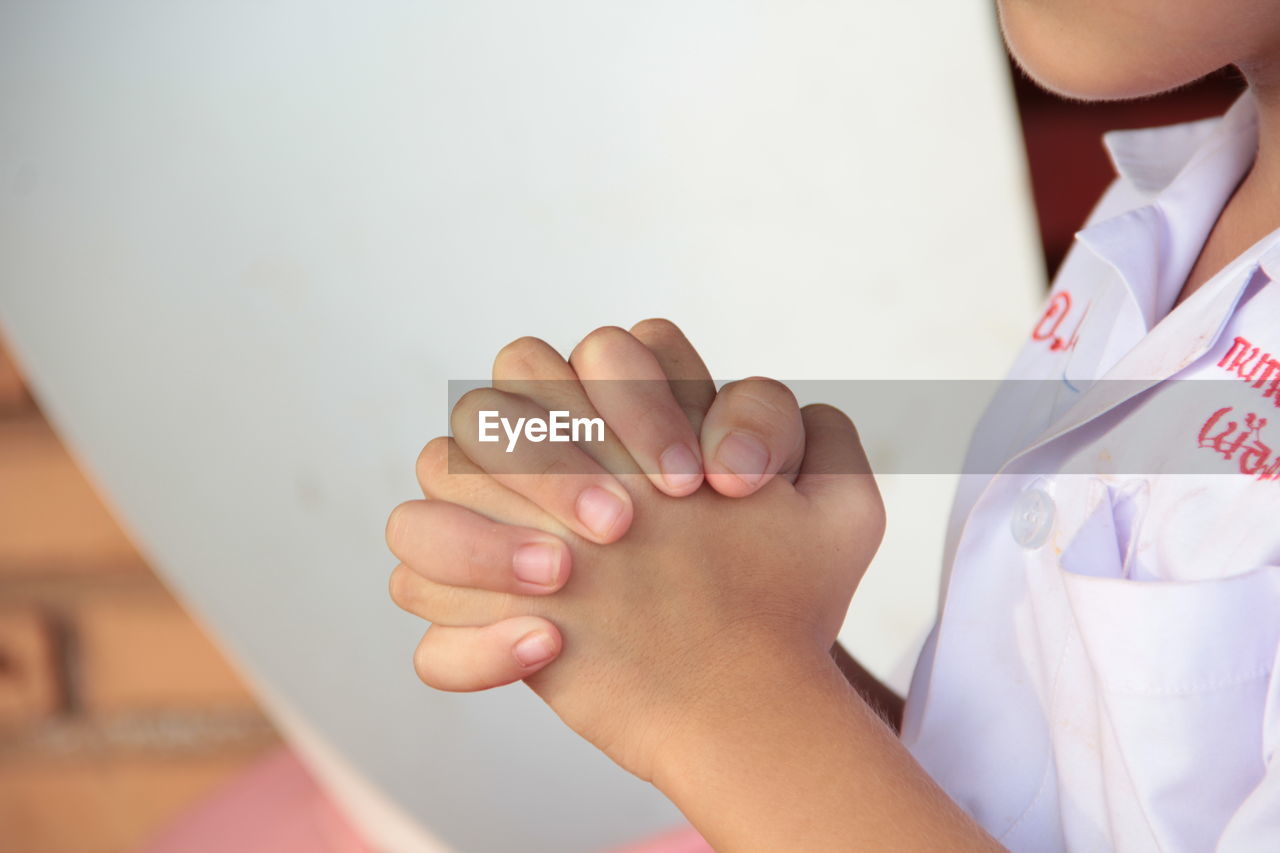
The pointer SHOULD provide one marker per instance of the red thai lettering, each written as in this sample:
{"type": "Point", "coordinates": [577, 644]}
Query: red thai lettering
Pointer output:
{"type": "Point", "coordinates": [1251, 364]}
{"type": "Point", "coordinates": [1054, 313]}
{"type": "Point", "coordinates": [1255, 455]}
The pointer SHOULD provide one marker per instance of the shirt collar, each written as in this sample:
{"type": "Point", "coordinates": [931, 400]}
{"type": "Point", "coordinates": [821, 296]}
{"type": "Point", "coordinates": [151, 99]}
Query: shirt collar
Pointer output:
{"type": "Point", "coordinates": [1150, 158]}
{"type": "Point", "coordinates": [1153, 247]}
{"type": "Point", "coordinates": [1187, 173]}
{"type": "Point", "coordinates": [1269, 262]}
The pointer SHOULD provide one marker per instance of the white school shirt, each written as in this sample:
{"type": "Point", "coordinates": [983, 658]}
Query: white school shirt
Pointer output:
{"type": "Point", "coordinates": [1103, 671]}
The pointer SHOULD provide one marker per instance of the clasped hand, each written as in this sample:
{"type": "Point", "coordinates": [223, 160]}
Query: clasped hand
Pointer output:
{"type": "Point", "coordinates": [630, 581]}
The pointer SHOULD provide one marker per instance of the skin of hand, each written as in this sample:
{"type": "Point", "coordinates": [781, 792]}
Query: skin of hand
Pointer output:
{"type": "Point", "coordinates": [660, 402]}
{"type": "Point", "coordinates": [655, 620]}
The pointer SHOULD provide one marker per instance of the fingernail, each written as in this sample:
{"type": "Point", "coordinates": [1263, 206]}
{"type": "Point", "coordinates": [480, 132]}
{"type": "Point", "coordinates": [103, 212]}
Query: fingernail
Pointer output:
{"type": "Point", "coordinates": [599, 510]}
{"type": "Point", "coordinates": [680, 468]}
{"type": "Point", "coordinates": [744, 456]}
{"type": "Point", "coordinates": [534, 648]}
{"type": "Point", "coordinates": [538, 563]}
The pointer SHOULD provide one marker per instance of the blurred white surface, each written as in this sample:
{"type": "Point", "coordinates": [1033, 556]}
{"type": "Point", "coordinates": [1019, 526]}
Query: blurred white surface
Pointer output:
{"type": "Point", "coordinates": [243, 246]}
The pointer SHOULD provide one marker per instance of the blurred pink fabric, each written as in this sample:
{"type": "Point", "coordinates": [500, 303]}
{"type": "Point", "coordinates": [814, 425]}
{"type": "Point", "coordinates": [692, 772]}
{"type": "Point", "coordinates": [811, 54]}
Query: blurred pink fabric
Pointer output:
{"type": "Point", "coordinates": [276, 807]}
{"type": "Point", "coordinates": [273, 807]}
{"type": "Point", "coordinates": [685, 840]}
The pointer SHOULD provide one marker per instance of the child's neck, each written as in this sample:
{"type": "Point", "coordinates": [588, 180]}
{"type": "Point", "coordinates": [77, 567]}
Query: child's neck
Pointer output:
{"type": "Point", "coordinates": [1253, 211]}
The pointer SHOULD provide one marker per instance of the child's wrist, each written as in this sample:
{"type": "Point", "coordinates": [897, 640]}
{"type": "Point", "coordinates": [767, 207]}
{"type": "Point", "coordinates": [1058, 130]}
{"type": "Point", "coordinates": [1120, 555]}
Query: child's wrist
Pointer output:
{"type": "Point", "coordinates": [766, 681]}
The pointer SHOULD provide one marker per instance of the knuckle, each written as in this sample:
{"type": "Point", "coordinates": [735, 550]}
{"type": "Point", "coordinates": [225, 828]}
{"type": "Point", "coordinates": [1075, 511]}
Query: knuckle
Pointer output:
{"type": "Point", "coordinates": [869, 521]}
{"type": "Point", "coordinates": [424, 662]}
{"type": "Point", "coordinates": [601, 344]}
{"type": "Point", "coordinates": [821, 417]}
{"type": "Point", "coordinates": [828, 413]}
{"type": "Point", "coordinates": [523, 357]}
{"type": "Point", "coordinates": [508, 606]}
{"type": "Point", "coordinates": [877, 519]}
{"type": "Point", "coordinates": [462, 419]}
{"type": "Point", "coordinates": [767, 389]}
{"type": "Point", "coordinates": [475, 399]}
{"type": "Point", "coordinates": [433, 460]}
{"type": "Point", "coordinates": [657, 329]}
{"type": "Point", "coordinates": [554, 472]}
{"type": "Point", "coordinates": [764, 400]}
{"type": "Point", "coordinates": [396, 523]}
{"type": "Point", "coordinates": [475, 568]}
{"type": "Point", "coordinates": [400, 586]}
{"type": "Point", "coordinates": [863, 515]}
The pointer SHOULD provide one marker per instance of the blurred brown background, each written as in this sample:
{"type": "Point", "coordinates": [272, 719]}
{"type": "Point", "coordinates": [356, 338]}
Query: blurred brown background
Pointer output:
{"type": "Point", "coordinates": [116, 711]}
{"type": "Point", "coordinates": [1069, 166]}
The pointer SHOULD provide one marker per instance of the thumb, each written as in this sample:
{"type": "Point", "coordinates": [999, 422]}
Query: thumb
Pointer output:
{"type": "Point", "coordinates": [751, 434]}
{"type": "Point", "coordinates": [835, 473]}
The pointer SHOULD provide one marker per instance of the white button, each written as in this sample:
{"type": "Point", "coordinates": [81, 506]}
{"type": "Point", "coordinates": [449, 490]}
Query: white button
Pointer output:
{"type": "Point", "coordinates": [1032, 518]}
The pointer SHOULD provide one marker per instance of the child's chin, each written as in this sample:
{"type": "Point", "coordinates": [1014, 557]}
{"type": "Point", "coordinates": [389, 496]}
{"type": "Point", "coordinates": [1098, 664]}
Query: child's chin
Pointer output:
{"type": "Point", "coordinates": [1080, 83]}
{"type": "Point", "coordinates": [1087, 61]}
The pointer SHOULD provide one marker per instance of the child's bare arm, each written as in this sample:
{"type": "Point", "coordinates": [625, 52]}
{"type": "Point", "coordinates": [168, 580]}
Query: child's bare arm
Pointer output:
{"type": "Point", "coordinates": [877, 694]}
{"type": "Point", "coordinates": [794, 760]}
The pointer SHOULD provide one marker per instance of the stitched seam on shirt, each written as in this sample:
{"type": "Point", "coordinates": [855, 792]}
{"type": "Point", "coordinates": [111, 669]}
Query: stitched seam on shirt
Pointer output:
{"type": "Point", "coordinates": [1143, 806]}
{"type": "Point", "coordinates": [1049, 765]}
{"type": "Point", "coordinates": [1194, 687]}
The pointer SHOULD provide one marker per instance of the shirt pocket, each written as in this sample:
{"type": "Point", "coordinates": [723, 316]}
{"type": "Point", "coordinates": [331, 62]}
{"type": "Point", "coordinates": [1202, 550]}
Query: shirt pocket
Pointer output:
{"type": "Point", "coordinates": [1161, 636]}
{"type": "Point", "coordinates": [1167, 699]}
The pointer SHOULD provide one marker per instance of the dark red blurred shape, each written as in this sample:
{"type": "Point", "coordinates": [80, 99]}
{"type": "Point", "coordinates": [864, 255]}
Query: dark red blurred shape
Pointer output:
{"type": "Point", "coordinates": [1069, 166]}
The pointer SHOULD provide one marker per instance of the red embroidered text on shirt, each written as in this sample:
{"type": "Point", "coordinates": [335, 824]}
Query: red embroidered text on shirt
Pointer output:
{"type": "Point", "coordinates": [1253, 456]}
{"type": "Point", "coordinates": [1047, 329]}
{"type": "Point", "coordinates": [1252, 365]}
